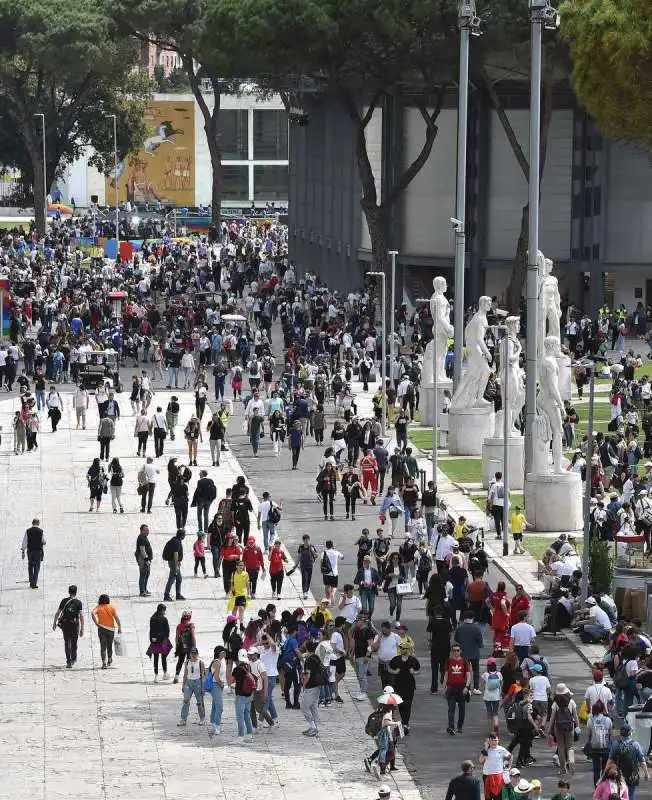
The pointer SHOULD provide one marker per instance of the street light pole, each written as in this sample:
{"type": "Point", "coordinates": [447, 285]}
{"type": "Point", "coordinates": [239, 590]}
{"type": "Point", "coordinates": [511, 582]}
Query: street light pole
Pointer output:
{"type": "Point", "coordinates": [383, 361]}
{"type": "Point", "coordinates": [45, 182]}
{"type": "Point", "coordinates": [393, 254]}
{"type": "Point", "coordinates": [586, 553]}
{"type": "Point", "coordinates": [466, 19]}
{"type": "Point", "coordinates": [435, 403]}
{"type": "Point", "coordinates": [506, 432]}
{"type": "Point", "coordinates": [117, 188]}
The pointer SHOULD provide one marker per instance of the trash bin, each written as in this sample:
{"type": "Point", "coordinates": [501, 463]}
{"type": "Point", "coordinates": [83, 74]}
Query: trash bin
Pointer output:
{"type": "Point", "coordinates": [537, 610]}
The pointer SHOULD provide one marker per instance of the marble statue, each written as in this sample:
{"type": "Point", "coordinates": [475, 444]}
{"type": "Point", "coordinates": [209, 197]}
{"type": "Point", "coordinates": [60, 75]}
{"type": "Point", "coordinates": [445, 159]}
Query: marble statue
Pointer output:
{"type": "Point", "coordinates": [470, 391]}
{"type": "Point", "coordinates": [511, 370]}
{"type": "Point", "coordinates": [550, 411]}
{"type": "Point", "coordinates": [442, 331]}
{"type": "Point", "coordinates": [549, 304]}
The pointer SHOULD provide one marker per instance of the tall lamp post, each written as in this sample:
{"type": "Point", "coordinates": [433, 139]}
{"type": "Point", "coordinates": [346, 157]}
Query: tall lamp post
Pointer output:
{"type": "Point", "coordinates": [589, 366]}
{"type": "Point", "coordinates": [392, 345]}
{"type": "Point", "coordinates": [504, 357]}
{"type": "Point", "coordinates": [117, 189]}
{"type": "Point", "coordinates": [45, 182]}
{"type": "Point", "coordinates": [383, 361]}
{"type": "Point", "coordinates": [435, 403]}
{"type": "Point", "coordinates": [542, 15]}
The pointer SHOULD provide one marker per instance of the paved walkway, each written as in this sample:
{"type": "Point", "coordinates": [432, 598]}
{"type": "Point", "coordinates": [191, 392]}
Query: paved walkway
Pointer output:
{"type": "Point", "coordinates": [112, 734]}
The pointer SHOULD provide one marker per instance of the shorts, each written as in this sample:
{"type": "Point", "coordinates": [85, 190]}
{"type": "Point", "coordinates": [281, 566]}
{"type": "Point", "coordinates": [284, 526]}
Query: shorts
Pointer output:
{"type": "Point", "coordinates": [339, 665]}
{"type": "Point", "coordinates": [330, 580]}
{"type": "Point", "coordinates": [240, 600]}
{"type": "Point", "coordinates": [492, 707]}
{"type": "Point", "coordinates": [518, 537]}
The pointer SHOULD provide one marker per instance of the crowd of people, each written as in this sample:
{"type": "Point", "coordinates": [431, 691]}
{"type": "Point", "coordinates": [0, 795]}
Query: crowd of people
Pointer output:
{"type": "Point", "coordinates": [198, 317]}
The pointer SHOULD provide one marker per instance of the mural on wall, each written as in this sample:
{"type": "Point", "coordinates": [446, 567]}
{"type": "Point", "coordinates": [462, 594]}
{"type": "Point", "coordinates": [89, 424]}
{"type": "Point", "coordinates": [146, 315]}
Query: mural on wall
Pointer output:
{"type": "Point", "coordinates": [164, 168]}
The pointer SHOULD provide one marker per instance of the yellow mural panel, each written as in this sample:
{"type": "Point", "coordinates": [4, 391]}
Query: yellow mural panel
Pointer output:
{"type": "Point", "coordinates": [164, 168]}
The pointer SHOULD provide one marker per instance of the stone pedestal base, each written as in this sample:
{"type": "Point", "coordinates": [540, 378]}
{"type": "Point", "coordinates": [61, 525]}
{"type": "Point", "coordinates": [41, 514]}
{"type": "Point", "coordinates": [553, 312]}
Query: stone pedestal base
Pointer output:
{"type": "Point", "coordinates": [565, 384]}
{"type": "Point", "coordinates": [426, 408]}
{"type": "Point", "coordinates": [468, 428]}
{"type": "Point", "coordinates": [553, 503]}
{"type": "Point", "coordinates": [492, 461]}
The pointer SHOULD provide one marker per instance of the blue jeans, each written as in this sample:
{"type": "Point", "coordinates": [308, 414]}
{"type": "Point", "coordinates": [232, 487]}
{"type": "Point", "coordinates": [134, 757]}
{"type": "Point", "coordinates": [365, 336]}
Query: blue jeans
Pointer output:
{"type": "Point", "coordinates": [325, 693]}
{"type": "Point", "coordinates": [243, 714]}
{"type": "Point", "coordinates": [269, 705]}
{"type": "Point", "coordinates": [174, 373]}
{"type": "Point", "coordinates": [40, 399]}
{"type": "Point", "coordinates": [368, 600]}
{"type": "Point", "coordinates": [269, 532]}
{"type": "Point", "coordinates": [192, 687]}
{"type": "Point", "coordinates": [455, 697]}
{"type": "Point", "coordinates": [202, 516]}
{"type": "Point", "coordinates": [173, 578]}
{"type": "Point", "coordinates": [306, 577]}
{"type": "Point", "coordinates": [254, 438]}
{"type": "Point", "coordinates": [216, 708]}
{"type": "Point", "coordinates": [219, 388]}
{"type": "Point", "coordinates": [632, 791]}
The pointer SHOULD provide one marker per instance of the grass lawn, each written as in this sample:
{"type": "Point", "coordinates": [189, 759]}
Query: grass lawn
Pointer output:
{"type": "Point", "coordinates": [461, 470]}
{"type": "Point", "coordinates": [536, 546]}
{"type": "Point", "coordinates": [421, 437]}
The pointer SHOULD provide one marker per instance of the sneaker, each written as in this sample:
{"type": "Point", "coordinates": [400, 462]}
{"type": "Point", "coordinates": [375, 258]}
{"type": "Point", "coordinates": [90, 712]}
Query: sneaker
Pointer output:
{"type": "Point", "coordinates": [450, 731]}
{"type": "Point", "coordinates": [477, 691]}
{"type": "Point", "coordinates": [182, 723]}
{"type": "Point", "coordinates": [215, 730]}
{"type": "Point", "coordinates": [312, 732]}
{"type": "Point", "coordinates": [305, 597]}
{"type": "Point", "coordinates": [459, 731]}
{"type": "Point", "coordinates": [367, 764]}
{"type": "Point", "coordinates": [376, 770]}
{"type": "Point", "coordinates": [165, 676]}
{"type": "Point", "coordinates": [176, 679]}
{"type": "Point", "coordinates": [180, 597]}
{"type": "Point", "coordinates": [338, 699]}
{"type": "Point", "coordinates": [238, 740]}
{"type": "Point", "coordinates": [249, 737]}
{"type": "Point", "coordinates": [361, 696]}
{"type": "Point", "coordinates": [202, 722]}
{"type": "Point", "coordinates": [155, 678]}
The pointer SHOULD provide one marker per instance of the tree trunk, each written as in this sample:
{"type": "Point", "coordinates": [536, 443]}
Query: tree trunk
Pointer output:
{"type": "Point", "coordinates": [36, 159]}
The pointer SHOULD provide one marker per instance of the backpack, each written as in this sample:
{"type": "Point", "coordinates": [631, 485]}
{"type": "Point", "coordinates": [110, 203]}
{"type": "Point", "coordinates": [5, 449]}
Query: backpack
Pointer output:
{"type": "Point", "coordinates": [621, 678]}
{"type": "Point", "coordinates": [374, 723]}
{"type": "Point", "coordinates": [564, 718]}
{"type": "Point", "coordinates": [142, 477]}
{"type": "Point", "coordinates": [249, 681]}
{"type": "Point", "coordinates": [624, 757]}
{"type": "Point", "coordinates": [493, 681]}
{"type": "Point", "coordinates": [326, 567]}
{"type": "Point", "coordinates": [69, 614]}
{"type": "Point", "coordinates": [274, 515]}
{"type": "Point", "coordinates": [267, 364]}
{"type": "Point", "coordinates": [168, 552]}
{"type": "Point", "coordinates": [253, 368]}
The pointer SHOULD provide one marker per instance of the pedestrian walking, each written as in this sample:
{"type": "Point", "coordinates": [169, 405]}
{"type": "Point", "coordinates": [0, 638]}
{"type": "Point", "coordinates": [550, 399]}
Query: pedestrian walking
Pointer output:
{"type": "Point", "coordinates": [144, 556]}
{"type": "Point", "coordinates": [105, 434]}
{"type": "Point", "coordinates": [205, 493]}
{"type": "Point", "coordinates": [184, 642]}
{"type": "Point", "coordinates": [259, 697]}
{"type": "Point", "coordinates": [216, 436]}
{"type": "Point", "coordinates": [80, 402]}
{"type": "Point", "coordinates": [217, 682]}
{"type": "Point", "coordinates": [254, 562]}
{"type": "Point", "coordinates": [561, 727]}
{"type": "Point", "coordinates": [277, 561]}
{"type": "Point", "coordinates": [159, 640]}
{"type": "Point", "coordinates": [172, 415]}
{"type": "Point", "coordinates": [173, 554]}
{"type": "Point", "coordinates": [464, 786]}
{"type": "Point", "coordinates": [192, 434]}
{"type": "Point", "coordinates": [97, 483]}
{"type": "Point", "coordinates": [295, 442]}
{"type": "Point", "coordinates": [329, 569]}
{"type": "Point", "coordinates": [307, 557]}
{"type": "Point", "coordinates": [105, 617]}
{"type": "Point", "coordinates": [70, 619]}
{"type": "Point", "coordinates": [116, 481]}
{"type": "Point", "coordinates": [179, 493]}
{"type": "Point", "coordinates": [193, 684]}
{"type": "Point", "coordinates": [239, 591]}
{"type": "Point", "coordinates": [313, 679]}
{"type": "Point", "coordinates": [159, 427]}
{"type": "Point", "coordinates": [403, 668]}
{"type": "Point", "coordinates": [244, 684]}
{"type": "Point", "coordinates": [147, 484]}
{"type": "Point", "coordinates": [457, 683]}
{"type": "Point", "coordinates": [54, 405]}
{"type": "Point", "coordinates": [142, 430]}
{"type": "Point", "coordinates": [199, 553]}
{"type": "Point", "coordinates": [33, 544]}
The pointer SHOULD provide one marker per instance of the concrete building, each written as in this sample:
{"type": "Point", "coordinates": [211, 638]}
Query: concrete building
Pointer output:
{"type": "Point", "coordinates": [254, 140]}
{"type": "Point", "coordinates": [596, 200]}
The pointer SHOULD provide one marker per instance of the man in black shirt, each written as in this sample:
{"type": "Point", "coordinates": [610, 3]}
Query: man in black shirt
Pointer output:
{"type": "Point", "coordinates": [173, 554]}
{"type": "Point", "coordinates": [364, 545]}
{"type": "Point", "coordinates": [70, 619]}
{"type": "Point", "coordinates": [33, 543]}
{"type": "Point", "coordinates": [144, 557]}
{"type": "Point", "coordinates": [313, 680]}
{"type": "Point", "coordinates": [465, 786]}
{"type": "Point", "coordinates": [360, 636]}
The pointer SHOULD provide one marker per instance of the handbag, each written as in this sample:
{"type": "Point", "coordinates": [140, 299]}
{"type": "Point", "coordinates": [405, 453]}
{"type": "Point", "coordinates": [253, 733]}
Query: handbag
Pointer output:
{"type": "Point", "coordinates": [209, 681]}
{"type": "Point", "coordinates": [119, 645]}
{"type": "Point", "coordinates": [403, 588]}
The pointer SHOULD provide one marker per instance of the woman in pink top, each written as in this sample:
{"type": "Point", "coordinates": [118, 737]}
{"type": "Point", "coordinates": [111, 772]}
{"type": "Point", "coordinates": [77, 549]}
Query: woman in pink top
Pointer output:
{"type": "Point", "coordinates": [612, 785]}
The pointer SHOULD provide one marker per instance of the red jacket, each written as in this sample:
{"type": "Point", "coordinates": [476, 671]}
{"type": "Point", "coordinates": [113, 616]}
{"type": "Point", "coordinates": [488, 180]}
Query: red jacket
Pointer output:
{"type": "Point", "coordinates": [369, 464]}
{"type": "Point", "coordinates": [253, 558]}
{"type": "Point", "coordinates": [276, 559]}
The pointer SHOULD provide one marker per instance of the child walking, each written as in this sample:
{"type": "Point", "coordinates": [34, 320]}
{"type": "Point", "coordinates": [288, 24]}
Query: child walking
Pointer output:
{"type": "Point", "coordinates": [199, 551]}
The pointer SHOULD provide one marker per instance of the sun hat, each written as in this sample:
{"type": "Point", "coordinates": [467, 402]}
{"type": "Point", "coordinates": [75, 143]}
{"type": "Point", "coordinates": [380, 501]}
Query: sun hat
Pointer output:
{"type": "Point", "coordinates": [561, 688]}
{"type": "Point", "coordinates": [536, 783]}
{"type": "Point", "coordinates": [523, 787]}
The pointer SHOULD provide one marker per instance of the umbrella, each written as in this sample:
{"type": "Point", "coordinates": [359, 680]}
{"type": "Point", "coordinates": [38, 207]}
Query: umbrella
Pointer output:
{"type": "Point", "coordinates": [390, 699]}
{"type": "Point", "coordinates": [233, 318]}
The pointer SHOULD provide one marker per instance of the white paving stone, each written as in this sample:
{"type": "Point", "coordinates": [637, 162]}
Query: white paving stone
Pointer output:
{"type": "Point", "coordinates": [111, 734]}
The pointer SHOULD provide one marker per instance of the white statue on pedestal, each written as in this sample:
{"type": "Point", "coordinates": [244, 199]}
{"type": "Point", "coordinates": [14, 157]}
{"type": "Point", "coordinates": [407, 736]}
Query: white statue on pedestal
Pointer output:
{"type": "Point", "coordinates": [510, 370]}
{"type": "Point", "coordinates": [550, 412]}
{"type": "Point", "coordinates": [549, 306]}
{"type": "Point", "coordinates": [471, 388]}
{"type": "Point", "coordinates": [442, 331]}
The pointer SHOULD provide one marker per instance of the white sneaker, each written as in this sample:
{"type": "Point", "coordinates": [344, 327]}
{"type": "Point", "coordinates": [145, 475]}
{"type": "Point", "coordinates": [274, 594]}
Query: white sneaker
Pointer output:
{"type": "Point", "coordinates": [155, 678]}
{"type": "Point", "coordinates": [477, 691]}
{"type": "Point", "coordinates": [248, 738]}
{"type": "Point", "coordinates": [182, 723]}
{"type": "Point", "coordinates": [362, 696]}
{"type": "Point", "coordinates": [165, 676]}
{"type": "Point", "coordinates": [216, 730]}
{"type": "Point", "coordinates": [239, 740]}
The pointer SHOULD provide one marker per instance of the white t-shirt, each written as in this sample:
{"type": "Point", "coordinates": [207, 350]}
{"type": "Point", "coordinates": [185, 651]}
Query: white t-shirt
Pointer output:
{"type": "Point", "coordinates": [388, 647]}
{"type": "Point", "coordinates": [338, 644]}
{"type": "Point", "coordinates": [263, 510]}
{"type": "Point", "coordinates": [492, 686]}
{"type": "Point", "coordinates": [523, 634]}
{"type": "Point", "coordinates": [600, 617]}
{"type": "Point", "coordinates": [269, 657]}
{"type": "Point", "coordinates": [539, 686]}
{"type": "Point", "coordinates": [258, 670]}
{"type": "Point", "coordinates": [598, 692]}
{"type": "Point", "coordinates": [496, 758]}
{"type": "Point", "coordinates": [352, 607]}
{"type": "Point", "coordinates": [334, 556]}
{"type": "Point", "coordinates": [561, 569]}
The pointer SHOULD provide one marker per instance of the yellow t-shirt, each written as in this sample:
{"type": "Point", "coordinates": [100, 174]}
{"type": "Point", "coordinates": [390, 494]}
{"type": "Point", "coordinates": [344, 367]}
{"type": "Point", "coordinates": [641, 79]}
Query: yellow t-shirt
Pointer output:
{"type": "Point", "coordinates": [240, 583]}
{"type": "Point", "coordinates": [517, 522]}
{"type": "Point", "coordinates": [459, 530]}
{"type": "Point", "coordinates": [105, 614]}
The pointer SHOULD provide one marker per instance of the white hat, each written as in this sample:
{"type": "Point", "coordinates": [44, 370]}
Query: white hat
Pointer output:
{"type": "Point", "coordinates": [643, 491]}
{"type": "Point", "coordinates": [523, 787]}
{"type": "Point", "coordinates": [384, 790]}
{"type": "Point", "coordinates": [242, 656]}
{"type": "Point", "coordinates": [561, 688]}
{"type": "Point", "coordinates": [590, 601]}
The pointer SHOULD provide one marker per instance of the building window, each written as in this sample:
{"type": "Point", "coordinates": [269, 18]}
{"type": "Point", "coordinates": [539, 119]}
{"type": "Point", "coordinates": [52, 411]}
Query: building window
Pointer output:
{"type": "Point", "coordinates": [270, 182]}
{"type": "Point", "coordinates": [270, 135]}
{"type": "Point", "coordinates": [232, 134]}
{"type": "Point", "coordinates": [235, 182]}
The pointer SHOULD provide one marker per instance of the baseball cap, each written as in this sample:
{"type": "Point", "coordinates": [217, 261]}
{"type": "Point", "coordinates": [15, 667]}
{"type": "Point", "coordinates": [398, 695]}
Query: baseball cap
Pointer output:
{"type": "Point", "coordinates": [590, 601]}
{"type": "Point", "coordinates": [537, 668]}
{"type": "Point", "coordinates": [193, 651]}
{"type": "Point", "coordinates": [242, 656]}
{"type": "Point", "coordinates": [625, 729]}
{"type": "Point", "coordinates": [251, 539]}
{"type": "Point", "coordinates": [513, 772]}
{"type": "Point", "coordinates": [384, 790]}
{"type": "Point", "coordinates": [491, 661]}
{"type": "Point", "coordinates": [253, 651]}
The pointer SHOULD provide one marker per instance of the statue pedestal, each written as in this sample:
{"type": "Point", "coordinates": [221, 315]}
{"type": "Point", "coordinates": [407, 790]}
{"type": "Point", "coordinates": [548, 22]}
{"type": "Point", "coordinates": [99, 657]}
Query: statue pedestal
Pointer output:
{"type": "Point", "coordinates": [468, 428]}
{"type": "Point", "coordinates": [565, 384]}
{"type": "Point", "coordinates": [554, 502]}
{"type": "Point", "coordinates": [492, 461]}
{"type": "Point", "coordinates": [426, 395]}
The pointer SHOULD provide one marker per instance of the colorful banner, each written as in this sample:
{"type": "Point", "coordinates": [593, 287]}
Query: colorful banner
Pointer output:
{"type": "Point", "coordinates": [164, 168]}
